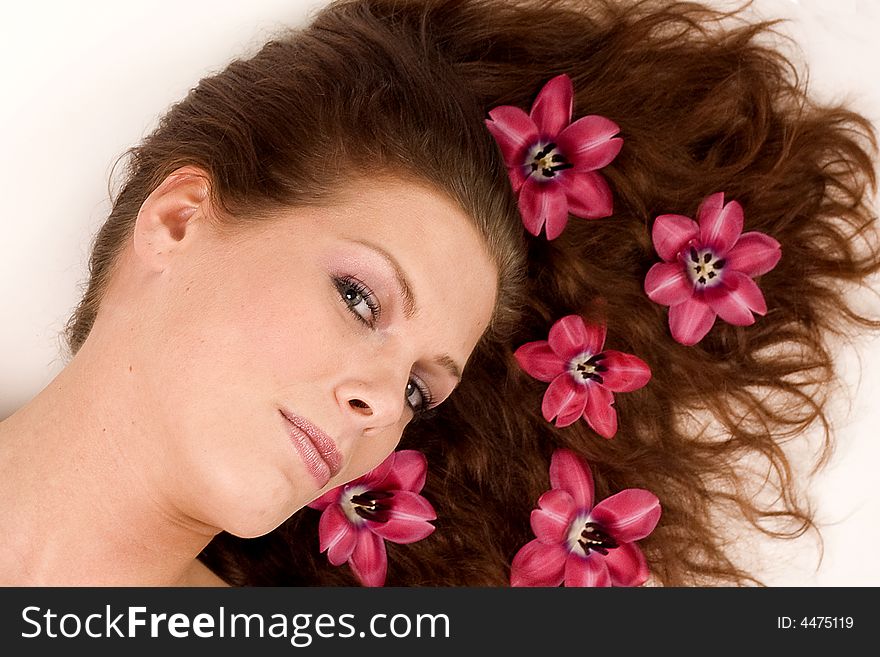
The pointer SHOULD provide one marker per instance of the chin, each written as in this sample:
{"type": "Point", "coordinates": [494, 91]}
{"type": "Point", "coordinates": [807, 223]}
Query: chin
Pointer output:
{"type": "Point", "coordinates": [251, 523]}
{"type": "Point", "coordinates": [254, 513]}
{"type": "Point", "coordinates": [249, 531]}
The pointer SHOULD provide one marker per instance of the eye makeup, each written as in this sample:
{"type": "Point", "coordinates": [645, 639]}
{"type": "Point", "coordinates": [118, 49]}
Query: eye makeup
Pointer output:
{"type": "Point", "coordinates": [365, 306]}
{"type": "Point", "coordinates": [416, 385]}
{"type": "Point", "coordinates": [355, 293]}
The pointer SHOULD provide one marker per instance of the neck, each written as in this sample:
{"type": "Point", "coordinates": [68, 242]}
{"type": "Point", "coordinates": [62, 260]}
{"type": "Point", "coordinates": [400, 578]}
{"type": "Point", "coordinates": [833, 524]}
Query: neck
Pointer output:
{"type": "Point", "coordinates": [80, 496]}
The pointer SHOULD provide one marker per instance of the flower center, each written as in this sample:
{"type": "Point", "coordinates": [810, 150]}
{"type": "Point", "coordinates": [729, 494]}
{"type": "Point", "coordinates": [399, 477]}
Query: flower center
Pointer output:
{"type": "Point", "coordinates": [703, 266]}
{"type": "Point", "coordinates": [546, 161]}
{"type": "Point", "coordinates": [593, 537]}
{"type": "Point", "coordinates": [586, 367]}
{"type": "Point", "coordinates": [372, 505]}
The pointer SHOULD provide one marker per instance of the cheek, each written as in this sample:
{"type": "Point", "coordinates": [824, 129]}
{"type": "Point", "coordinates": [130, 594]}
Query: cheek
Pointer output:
{"type": "Point", "coordinates": [285, 335]}
{"type": "Point", "coordinates": [372, 450]}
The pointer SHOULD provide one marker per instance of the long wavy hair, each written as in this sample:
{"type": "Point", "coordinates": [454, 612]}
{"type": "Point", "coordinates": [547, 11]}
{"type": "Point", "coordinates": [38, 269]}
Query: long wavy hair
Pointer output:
{"type": "Point", "coordinates": [705, 103]}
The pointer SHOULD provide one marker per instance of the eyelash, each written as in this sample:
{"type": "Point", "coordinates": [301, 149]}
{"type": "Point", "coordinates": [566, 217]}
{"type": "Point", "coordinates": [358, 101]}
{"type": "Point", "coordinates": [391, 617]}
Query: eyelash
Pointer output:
{"type": "Point", "coordinates": [347, 283]}
{"type": "Point", "coordinates": [344, 285]}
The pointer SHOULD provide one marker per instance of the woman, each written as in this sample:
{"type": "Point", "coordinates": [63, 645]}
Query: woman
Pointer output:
{"type": "Point", "coordinates": [330, 255]}
{"type": "Point", "coordinates": [383, 107]}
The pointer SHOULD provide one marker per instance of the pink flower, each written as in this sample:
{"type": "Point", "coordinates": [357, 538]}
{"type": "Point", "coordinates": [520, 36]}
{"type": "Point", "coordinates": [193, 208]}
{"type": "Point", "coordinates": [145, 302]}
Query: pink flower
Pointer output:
{"type": "Point", "coordinates": [582, 544]}
{"type": "Point", "coordinates": [582, 376]}
{"type": "Point", "coordinates": [552, 162]}
{"type": "Point", "coordinates": [707, 268]}
{"type": "Point", "coordinates": [383, 504]}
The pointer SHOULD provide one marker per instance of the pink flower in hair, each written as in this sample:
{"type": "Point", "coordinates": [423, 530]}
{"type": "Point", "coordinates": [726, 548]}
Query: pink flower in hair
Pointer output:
{"type": "Point", "coordinates": [582, 544]}
{"type": "Point", "coordinates": [582, 375]}
{"type": "Point", "coordinates": [552, 162]}
{"type": "Point", "coordinates": [384, 504]}
{"type": "Point", "coordinates": [707, 268]}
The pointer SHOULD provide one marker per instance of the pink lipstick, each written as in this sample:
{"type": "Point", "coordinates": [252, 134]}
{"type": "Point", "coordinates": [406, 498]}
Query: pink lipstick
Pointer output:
{"type": "Point", "coordinates": [316, 448]}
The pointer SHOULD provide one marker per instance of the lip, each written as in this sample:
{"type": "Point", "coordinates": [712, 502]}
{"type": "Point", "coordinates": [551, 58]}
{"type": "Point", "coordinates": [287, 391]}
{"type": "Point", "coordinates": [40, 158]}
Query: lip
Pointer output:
{"type": "Point", "coordinates": [316, 448]}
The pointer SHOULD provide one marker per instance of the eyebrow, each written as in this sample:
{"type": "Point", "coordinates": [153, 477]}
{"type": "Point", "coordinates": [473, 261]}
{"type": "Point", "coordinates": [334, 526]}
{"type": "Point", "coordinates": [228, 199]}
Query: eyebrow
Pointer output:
{"type": "Point", "coordinates": [446, 362]}
{"type": "Point", "coordinates": [409, 301]}
{"type": "Point", "coordinates": [405, 289]}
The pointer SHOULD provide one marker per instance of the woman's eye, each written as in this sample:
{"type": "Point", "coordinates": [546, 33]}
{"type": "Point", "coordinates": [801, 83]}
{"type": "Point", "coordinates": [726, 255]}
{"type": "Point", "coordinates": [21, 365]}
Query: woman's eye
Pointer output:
{"type": "Point", "coordinates": [417, 396]}
{"type": "Point", "coordinates": [361, 301]}
{"type": "Point", "coordinates": [359, 298]}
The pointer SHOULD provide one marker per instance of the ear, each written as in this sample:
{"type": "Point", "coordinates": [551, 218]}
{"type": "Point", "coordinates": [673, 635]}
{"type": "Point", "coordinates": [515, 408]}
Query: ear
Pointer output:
{"type": "Point", "coordinates": [169, 216]}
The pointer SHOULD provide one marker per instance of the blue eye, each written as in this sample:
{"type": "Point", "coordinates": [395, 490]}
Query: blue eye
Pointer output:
{"type": "Point", "coordinates": [418, 396]}
{"type": "Point", "coordinates": [364, 305]}
{"type": "Point", "coordinates": [359, 298]}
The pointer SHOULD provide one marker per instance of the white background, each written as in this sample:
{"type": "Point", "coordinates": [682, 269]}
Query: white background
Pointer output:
{"type": "Point", "coordinates": [83, 81]}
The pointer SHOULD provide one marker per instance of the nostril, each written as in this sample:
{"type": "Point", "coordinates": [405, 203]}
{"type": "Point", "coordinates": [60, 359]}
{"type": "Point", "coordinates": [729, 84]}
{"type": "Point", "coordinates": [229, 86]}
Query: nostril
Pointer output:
{"type": "Point", "coordinates": [357, 403]}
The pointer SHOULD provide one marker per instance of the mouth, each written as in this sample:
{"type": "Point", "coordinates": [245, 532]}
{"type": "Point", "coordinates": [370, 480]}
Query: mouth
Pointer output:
{"type": "Point", "coordinates": [316, 448]}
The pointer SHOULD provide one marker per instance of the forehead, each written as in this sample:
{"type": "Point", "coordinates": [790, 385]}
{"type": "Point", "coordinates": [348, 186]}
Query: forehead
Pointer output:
{"type": "Point", "coordinates": [437, 246]}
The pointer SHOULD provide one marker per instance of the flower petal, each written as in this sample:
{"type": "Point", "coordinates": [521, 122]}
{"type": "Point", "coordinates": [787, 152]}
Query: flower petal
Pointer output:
{"type": "Point", "coordinates": [408, 471]}
{"type": "Point", "coordinates": [629, 515]}
{"type": "Point", "coordinates": [539, 360]}
{"type": "Point", "coordinates": [571, 336]}
{"type": "Point", "coordinates": [561, 396]}
{"type": "Point", "coordinates": [407, 519]}
{"type": "Point", "coordinates": [369, 560]}
{"type": "Point", "coordinates": [573, 411]}
{"type": "Point", "coordinates": [599, 412]}
{"type": "Point", "coordinates": [336, 535]}
{"type": "Point", "coordinates": [587, 192]}
{"type": "Point", "coordinates": [543, 204]}
{"type": "Point", "coordinates": [571, 473]}
{"type": "Point", "coordinates": [586, 571]}
{"type": "Point", "coordinates": [518, 175]}
{"type": "Point", "coordinates": [514, 132]}
{"type": "Point", "coordinates": [667, 284]}
{"type": "Point", "coordinates": [588, 144]}
{"type": "Point", "coordinates": [538, 564]}
{"type": "Point", "coordinates": [690, 321]}
{"type": "Point", "coordinates": [551, 522]}
{"type": "Point", "coordinates": [754, 254]}
{"type": "Point", "coordinates": [671, 232]}
{"type": "Point", "coordinates": [627, 565]}
{"type": "Point", "coordinates": [735, 298]}
{"type": "Point", "coordinates": [330, 497]}
{"type": "Point", "coordinates": [625, 371]}
{"type": "Point", "coordinates": [551, 110]}
{"type": "Point", "coordinates": [720, 224]}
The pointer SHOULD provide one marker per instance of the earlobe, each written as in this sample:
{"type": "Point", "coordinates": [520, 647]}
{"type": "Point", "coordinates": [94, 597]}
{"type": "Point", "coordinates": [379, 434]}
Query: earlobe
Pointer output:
{"type": "Point", "coordinates": [165, 219]}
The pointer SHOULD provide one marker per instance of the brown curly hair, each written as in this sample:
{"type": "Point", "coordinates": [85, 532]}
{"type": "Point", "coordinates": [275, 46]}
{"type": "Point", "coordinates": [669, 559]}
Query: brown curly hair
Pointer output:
{"type": "Point", "coordinates": [704, 104]}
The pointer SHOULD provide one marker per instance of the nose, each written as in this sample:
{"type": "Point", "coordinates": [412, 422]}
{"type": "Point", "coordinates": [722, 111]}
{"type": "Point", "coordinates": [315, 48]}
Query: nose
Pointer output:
{"type": "Point", "coordinates": [374, 401]}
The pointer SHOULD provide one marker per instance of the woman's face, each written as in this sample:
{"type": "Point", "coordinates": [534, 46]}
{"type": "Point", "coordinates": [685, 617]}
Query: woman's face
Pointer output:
{"type": "Point", "coordinates": [349, 321]}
